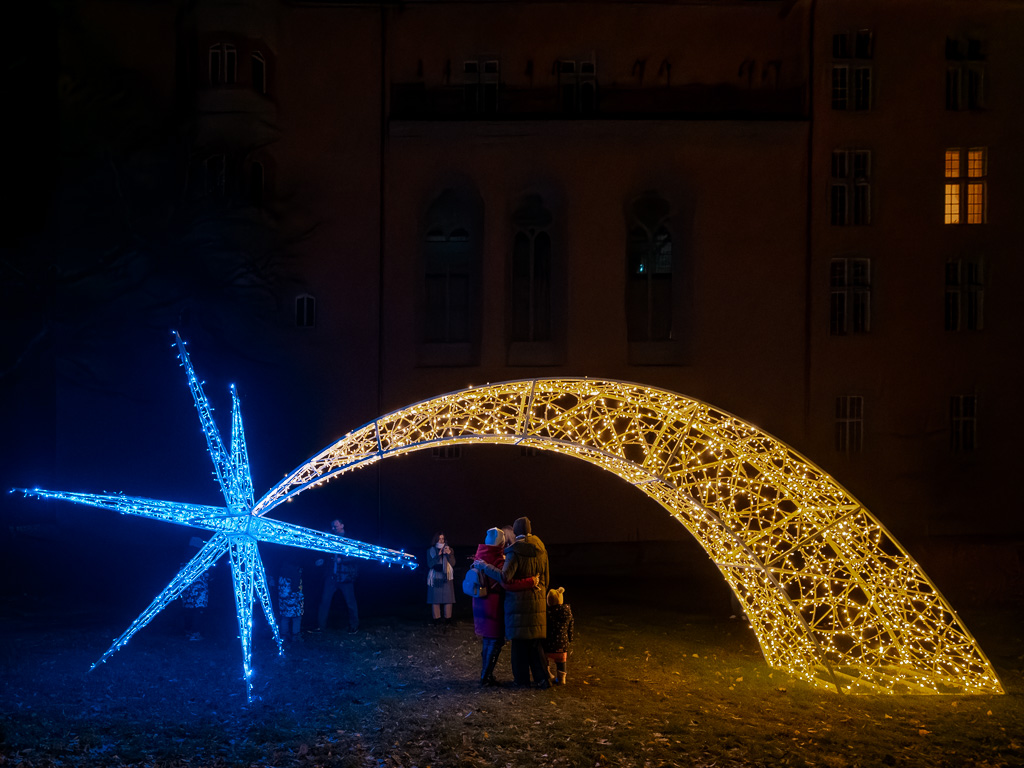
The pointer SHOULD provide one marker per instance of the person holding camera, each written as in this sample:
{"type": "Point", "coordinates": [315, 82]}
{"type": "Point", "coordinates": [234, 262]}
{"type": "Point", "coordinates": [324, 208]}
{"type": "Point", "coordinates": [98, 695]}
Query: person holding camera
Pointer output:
{"type": "Point", "coordinates": [440, 579]}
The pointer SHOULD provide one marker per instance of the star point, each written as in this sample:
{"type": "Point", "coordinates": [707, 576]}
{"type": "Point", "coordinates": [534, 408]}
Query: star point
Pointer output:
{"type": "Point", "coordinates": [237, 528]}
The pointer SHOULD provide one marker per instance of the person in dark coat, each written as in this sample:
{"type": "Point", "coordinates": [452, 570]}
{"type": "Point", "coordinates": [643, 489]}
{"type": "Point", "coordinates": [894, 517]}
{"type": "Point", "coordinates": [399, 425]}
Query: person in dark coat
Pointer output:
{"type": "Point", "coordinates": [488, 618]}
{"type": "Point", "coordinates": [526, 612]}
{"type": "Point", "coordinates": [339, 576]}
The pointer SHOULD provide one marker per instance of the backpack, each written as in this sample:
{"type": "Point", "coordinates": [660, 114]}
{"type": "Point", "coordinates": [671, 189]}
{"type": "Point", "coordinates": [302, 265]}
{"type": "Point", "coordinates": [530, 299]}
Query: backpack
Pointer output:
{"type": "Point", "coordinates": [472, 585]}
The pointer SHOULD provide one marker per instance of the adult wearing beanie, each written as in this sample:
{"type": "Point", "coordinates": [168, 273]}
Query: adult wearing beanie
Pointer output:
{"type": "Point", "coordinates": [526, 612]}
{"type": "Point", "coordinates": [488, 615]}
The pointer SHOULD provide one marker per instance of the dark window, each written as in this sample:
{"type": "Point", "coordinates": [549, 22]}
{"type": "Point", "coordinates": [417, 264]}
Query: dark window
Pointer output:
{"type": "Point", "coordinates": [481, 81]}
{"type": "Point", "coordinates": [849, 423]}
{"type": "Point", "coordinates": [256, 183]}
{"type": "Point", "coordinates": [864, 47]}
{"type": "Point", "coordinates": [305, 311]}
{"type": "Point", "coordinates": [963, 423]}
{"type": "Point", "coordinates": [850, 190]}
{"type": "Point", "coordinates": [577, 86]}
{"type": "Point", "coordinates": [223, 64]}
{"type": "Point", "coordinates": [649, 284]}
{"type": "Point", "coordinates": [965, 296]}
{"type": "Point", "coordinates": [965, 74]}
{"type": "Point", "coordinates": [448, 283]}
{"type": "Point", "coordinates": [850, 296]}
{"type": "Point", "coordinates": [852, 52]}
{"type": "Point", "coordinates": [259, 72]}
{"type": "Point", "coordinates": [446, 452]}
{"type": "Point", "coordinates": [840, 86]}
{"type": "Point", "coordinates": [841, 46]}
{"type": "Point", "coordinates": [216, 176]}
{"type": "Point", "coordinates": [531, 286]}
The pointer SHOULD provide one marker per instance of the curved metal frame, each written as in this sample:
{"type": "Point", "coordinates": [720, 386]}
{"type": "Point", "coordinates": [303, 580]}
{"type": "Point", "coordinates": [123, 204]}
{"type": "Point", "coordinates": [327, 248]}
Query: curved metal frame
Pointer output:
{"type": "Point", "coordinates": [832, 597]}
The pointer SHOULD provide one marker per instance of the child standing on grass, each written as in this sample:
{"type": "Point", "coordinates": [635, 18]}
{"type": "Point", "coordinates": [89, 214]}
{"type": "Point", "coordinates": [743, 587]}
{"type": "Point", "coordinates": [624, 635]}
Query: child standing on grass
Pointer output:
{"type": "Point", "coordinates": [560, 631]}
{"type": "Point", "coordinates": [290, 601]}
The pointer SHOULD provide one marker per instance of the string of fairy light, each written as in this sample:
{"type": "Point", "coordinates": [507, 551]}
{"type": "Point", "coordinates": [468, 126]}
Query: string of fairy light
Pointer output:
{"type": "Point", "coordinates": [830, 594]}
{"type": "Point", "coordinates": [236, 528]}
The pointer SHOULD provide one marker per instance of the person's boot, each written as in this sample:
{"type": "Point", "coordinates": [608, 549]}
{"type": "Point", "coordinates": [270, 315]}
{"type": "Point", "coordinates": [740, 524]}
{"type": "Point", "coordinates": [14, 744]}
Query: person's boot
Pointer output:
{"type": "Point", "coordinates": [485, 660]}
{"type": "Point", "coordinates": [492, 661]}
{"type": "Point", "coordinates": [561, 679]}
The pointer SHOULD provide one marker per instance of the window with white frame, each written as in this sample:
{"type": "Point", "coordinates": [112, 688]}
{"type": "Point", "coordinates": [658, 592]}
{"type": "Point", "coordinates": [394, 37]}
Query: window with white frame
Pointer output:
{"type": "Point", "coordinates": [223, 66]}
{"type": "Point", "coordinates": [965, 74]}
{"type": "Point", "coordinates": [852, 53]}
{"type": "Point", "coordinates": [965, 189]}
{"type": "Point", "coordinates": [577, 86]}
{"type": "Point", "coordinates": [850, 189]}
{"type": "Point", "coordinates": [481, 79]}
{"type": "Point", "coordinates": [963, 423]}
{"type": "Point", "coordinates": [305, 311]}
{"type": "Point", "coordinates": [850, 296]}
{"type": "Point", "coordinates": [849, 423]}
{"type": "Point", "coordinates": [965, 295]}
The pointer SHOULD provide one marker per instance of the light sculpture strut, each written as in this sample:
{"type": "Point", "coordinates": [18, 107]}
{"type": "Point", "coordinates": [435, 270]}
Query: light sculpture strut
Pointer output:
{"type": "Point", "coordinates": [236, 528]}
{"type": "Point", "coordinates": [832, 597]}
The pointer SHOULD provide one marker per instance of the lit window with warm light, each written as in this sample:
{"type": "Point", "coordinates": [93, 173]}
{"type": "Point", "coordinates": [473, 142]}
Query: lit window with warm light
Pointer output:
{"type": "Point", "coordinates": [964, 197]}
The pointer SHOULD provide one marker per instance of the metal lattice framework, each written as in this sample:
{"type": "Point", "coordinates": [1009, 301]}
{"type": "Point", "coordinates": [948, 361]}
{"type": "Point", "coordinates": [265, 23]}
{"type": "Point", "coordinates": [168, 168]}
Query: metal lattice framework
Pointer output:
{"type": "Point", "coordinates": [832, 597]}
{"type": "Point", "coordinates": [236, 527]}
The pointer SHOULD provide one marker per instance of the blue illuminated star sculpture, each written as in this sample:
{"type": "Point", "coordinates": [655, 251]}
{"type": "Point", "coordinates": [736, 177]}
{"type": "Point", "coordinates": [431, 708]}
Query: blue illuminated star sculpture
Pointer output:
{"type": "Point", "coordinates": [236, 528]}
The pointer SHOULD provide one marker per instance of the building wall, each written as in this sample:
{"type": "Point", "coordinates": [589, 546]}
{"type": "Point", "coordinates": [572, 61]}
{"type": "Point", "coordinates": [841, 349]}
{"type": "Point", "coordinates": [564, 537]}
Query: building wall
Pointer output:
{"type": "Point", "coordinates": [724, 110]}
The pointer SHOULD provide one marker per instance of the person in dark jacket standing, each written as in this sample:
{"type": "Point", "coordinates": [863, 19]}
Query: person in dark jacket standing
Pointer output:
{"type": "Point", "coordinates": [339, 576]}
{"type": "Point", "coordinates": [526, 612]}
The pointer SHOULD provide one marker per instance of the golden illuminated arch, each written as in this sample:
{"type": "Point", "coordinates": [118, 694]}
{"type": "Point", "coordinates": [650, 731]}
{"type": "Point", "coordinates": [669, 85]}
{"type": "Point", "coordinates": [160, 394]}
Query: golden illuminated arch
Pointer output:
{"type": "Point", "coordinates": [832, 597]}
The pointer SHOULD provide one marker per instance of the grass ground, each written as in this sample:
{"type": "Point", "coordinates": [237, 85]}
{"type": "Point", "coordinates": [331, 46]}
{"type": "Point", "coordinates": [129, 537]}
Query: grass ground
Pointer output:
{"type": "Point", "coordinates": [647, 687]}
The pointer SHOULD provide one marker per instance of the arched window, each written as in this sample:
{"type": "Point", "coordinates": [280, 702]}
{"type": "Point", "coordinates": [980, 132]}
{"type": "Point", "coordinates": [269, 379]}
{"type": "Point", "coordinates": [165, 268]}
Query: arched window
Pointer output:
{"type": "Point", "coordinates": [530, 318]}
{"type": "Point", "coordinates": [223, 64]}
{"type": "Point", "coordinates": [305, 311]}
{"type": "Point", "coordinates": [259, 72]}
{"type": "Point", "coordinates": [649, 271]}
{"type": "Point", "coordinates": [450, 270]}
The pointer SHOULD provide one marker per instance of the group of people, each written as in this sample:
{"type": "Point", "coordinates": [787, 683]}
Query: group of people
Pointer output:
{"type": "Point", "coordinates": [339, 575]}
{"type": "Point", "coordinates": [514, 602]}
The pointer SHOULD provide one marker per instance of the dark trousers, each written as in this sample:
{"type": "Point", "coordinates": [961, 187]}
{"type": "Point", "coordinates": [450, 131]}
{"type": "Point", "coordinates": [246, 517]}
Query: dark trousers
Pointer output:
{"type": "Point", "coordinates": [489, 652]}
{"type": "Point", "coordinates": [528, 657]}
{"type": "Point", "coordinates": [348, 591]}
